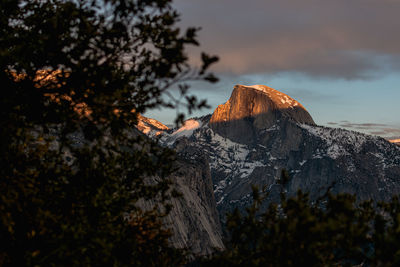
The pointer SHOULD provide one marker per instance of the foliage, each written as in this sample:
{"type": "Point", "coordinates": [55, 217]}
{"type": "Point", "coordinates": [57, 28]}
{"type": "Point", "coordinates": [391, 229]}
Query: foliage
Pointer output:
{"type": "Point", "coordinates": [334, 231]}
{"type": "Point", "coordinates": [75, 75]}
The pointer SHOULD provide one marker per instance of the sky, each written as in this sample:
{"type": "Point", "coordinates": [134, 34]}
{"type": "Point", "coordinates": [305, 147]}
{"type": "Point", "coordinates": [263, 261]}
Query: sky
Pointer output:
{"type": "Point", "coordinates": [340, 59]}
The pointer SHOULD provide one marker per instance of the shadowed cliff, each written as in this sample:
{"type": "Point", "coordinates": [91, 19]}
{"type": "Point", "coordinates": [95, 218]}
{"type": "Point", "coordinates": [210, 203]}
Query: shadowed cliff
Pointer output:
{"type": "Point", "coordinates": [259, 132]}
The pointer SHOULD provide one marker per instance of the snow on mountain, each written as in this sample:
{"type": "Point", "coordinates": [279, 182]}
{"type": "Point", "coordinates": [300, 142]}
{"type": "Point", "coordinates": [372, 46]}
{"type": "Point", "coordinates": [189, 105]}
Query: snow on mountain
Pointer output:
{"type": "Point", "coordinates": [395, 141]}
{"type": "Point", "coordinates": [252, 109]}
{"type": "Point", "coordinates": [283, 98]}
{"type": "Point", "coordinates": [348, 139]}
{"type": "Point", "coordinates": [225, 156]}
{"type": "Point", "coordinates": [150, 127]}
{"type": "Point", "coordinates": [253, 137]}
{"type": "Point", "coordinates": [187, 129]}
{"type": "Point", "coordinates": [344, 143]}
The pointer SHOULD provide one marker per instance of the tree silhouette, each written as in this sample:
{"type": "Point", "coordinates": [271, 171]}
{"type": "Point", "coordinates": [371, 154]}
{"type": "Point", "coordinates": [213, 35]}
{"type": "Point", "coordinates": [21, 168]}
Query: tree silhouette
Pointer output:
{"type": "Point", "coordinates": [334, 231]}
{"type": "Point", "coordinates": [75, 75]}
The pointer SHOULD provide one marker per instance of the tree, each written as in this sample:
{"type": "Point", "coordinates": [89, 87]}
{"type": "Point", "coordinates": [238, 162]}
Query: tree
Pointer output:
{"type": "Point", "coordinates": [333, 231]}
{"type": "Point", "coordinates": [75, 75]}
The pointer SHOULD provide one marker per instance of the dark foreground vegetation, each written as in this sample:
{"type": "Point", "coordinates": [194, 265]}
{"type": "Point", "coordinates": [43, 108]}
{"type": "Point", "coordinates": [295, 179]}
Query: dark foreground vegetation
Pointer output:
{"type": "Point", "coordinates": [74, 76]}
{"type": "Point", "coordinates": [334, 231]}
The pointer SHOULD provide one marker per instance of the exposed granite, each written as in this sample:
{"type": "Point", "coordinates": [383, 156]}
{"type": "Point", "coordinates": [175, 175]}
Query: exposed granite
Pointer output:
{"type": "Point", "coordinates": [259, 132]}
{"type": "Point", "coordinates": [252, 138]}
{"type": "Point", "coordinates": [194, 217]}
{"type": "Point", "coordinates": [249, 111]}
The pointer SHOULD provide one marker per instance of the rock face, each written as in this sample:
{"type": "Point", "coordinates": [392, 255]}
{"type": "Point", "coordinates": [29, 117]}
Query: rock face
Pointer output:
{"type": "Point", "coordinates": [150, 127]}
{"type": "Point", "coordinates": [259, 132]}
{"type": "Point", "coordinates": [248, 141]}
{"type": "Point", "coordinates": [194, 219]}
{"type": "Point", "coordinates": [252, 109]}
{"type": "Point", "coordinates": [395, 141]}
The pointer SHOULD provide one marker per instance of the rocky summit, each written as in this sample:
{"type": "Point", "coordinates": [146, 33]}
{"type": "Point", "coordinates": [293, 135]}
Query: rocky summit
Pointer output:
{"type": "Point", "coordinates": [259, 132]}
{"type": "Point", "coordinates": [252, 109]}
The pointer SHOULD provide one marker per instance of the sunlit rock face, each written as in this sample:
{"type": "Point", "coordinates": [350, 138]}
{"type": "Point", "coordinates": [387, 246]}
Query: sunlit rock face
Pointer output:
{"type": "Point", "coordinates": [395, 141]}
{"type": "Point", "coordinates": [259, 132]}
{"type": "Point", "coordinates": [254, 109]}
{"type": "Point", "coordinates": [150, 127]}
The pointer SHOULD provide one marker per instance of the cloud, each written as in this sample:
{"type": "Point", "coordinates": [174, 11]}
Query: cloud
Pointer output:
{"type": "Point", "coordinates": [313, 95]}
{"type": "Point", "coordinates": [363, 126]}
{"type": "Point", "coordinates": [387, 131]}
{"type": "Point", "coordinates": [355, 39]}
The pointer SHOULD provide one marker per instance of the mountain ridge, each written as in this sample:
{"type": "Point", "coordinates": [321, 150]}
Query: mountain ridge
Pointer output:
{"type": "Point", "coordinates": [317, 158]}
{"type": "Point", "coordinates": [253, 109]}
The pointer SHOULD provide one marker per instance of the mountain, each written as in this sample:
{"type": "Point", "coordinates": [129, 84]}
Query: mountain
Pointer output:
{"type": "Point", "coordinates": [251, 109]}
{"type": "Point", "coordinates": [260, 131]}
{"type": "Point", "coordinates": [395, 141]}
{"type": "Point", "coordinates": [150, 127]}
{"type": "Point", "coordinates": [194, 219]}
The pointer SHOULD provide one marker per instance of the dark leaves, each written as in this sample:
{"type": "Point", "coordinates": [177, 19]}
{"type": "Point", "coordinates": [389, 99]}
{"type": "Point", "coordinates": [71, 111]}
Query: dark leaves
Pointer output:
{"type": "Point", "coordinates": [334, 231]}
{"type": "Point", "coordinates": [74, 163]}
{"type": "Point", "coordinates": [207, 61]}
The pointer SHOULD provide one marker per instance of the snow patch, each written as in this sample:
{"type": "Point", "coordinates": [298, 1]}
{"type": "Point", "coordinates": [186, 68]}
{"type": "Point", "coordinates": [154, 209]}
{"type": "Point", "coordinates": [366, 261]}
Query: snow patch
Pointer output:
{"type": "Point", "coordinates": [337, 142]}
{"type": "Point", "coordinates": [187, 129]}
{"type": "Point", "coordinates": [226, 157]}
{"type": "Point", "coordinates": [340, 142]}
{"type": "Point", "coordinates": [261, 88]}
{"type": "Point", "coordinates": [283, 98]}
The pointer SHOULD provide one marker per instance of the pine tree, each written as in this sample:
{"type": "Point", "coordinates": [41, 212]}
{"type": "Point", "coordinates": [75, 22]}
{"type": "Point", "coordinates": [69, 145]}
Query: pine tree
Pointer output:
{"type": "Point", "coordinates": [74, 76]}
